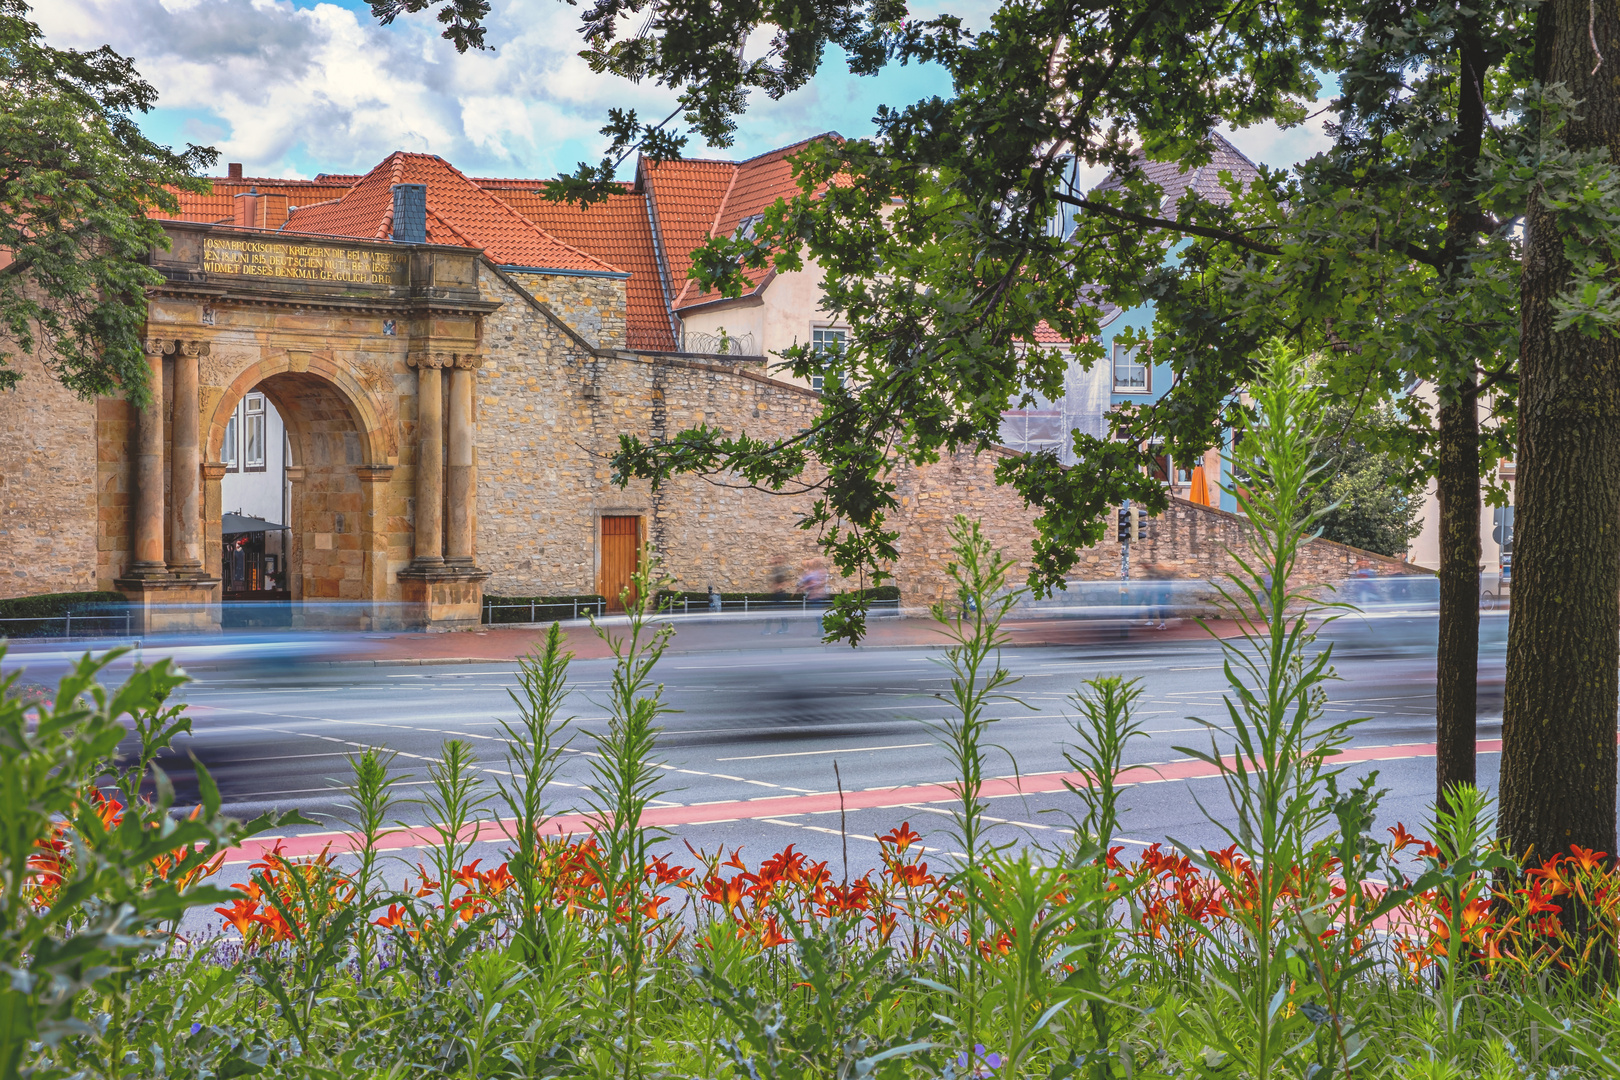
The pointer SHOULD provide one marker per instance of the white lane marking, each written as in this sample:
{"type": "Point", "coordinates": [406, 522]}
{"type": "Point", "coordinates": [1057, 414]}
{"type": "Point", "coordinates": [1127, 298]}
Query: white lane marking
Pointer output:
{"type": "Point", "coordinates": [841, 750]}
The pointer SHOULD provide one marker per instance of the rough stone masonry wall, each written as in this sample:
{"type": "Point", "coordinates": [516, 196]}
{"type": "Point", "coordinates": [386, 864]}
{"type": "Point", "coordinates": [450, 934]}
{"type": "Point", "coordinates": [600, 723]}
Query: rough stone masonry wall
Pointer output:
{"type": "Point", "coordinates": [550, 415]}
{"type": "Point", "coordinates": [594, 307]}
{"type": "Point", "coordinates": [1187, 541]}
{"type": "Point", "coordinates": [48, 512]}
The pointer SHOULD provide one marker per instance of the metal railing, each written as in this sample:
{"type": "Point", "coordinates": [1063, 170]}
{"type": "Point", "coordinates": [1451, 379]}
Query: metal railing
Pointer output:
{"type": "Point", "coordinates": [533, 606]}
{"type": "Point", "coordinates": [687, 606]}
{"type": "Point", "coordinates": [87, 626]}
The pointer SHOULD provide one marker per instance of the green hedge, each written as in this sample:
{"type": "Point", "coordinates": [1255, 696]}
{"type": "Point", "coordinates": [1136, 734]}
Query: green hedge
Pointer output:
{"type": "Point", "coordinates": [56, 605]}
{"type": "Point", "coordinates": [46, 613]}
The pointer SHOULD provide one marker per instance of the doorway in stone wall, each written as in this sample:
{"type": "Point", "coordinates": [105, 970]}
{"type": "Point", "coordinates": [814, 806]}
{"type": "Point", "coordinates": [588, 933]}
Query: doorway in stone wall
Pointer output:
{"type": "Point", "coordinates": [326, 563]}
{"type": "Point", "coordinates": [620, 548]}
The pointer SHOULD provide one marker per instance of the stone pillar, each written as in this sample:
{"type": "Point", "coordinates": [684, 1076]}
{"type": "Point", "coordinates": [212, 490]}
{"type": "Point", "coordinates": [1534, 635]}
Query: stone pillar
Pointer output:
{"type": "Point", "coordinates": [463, 486]}
{"type": "Point", "coordinates": [374, 542]}
{"type": "Point", "coordinates": [149, 514]}
{"type": "Point", "coordinates": [213, 511]}
{"type": "Point", "coordinates": [295, 523]}
{"type": "Point", "coordinates": [186, 479]}
{"type": "Point", "coordinates": [429, 459]}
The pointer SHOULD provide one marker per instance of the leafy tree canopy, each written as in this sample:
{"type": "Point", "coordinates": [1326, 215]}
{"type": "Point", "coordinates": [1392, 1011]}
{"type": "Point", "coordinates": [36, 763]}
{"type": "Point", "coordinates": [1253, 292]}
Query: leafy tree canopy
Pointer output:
{"type": "Point", "coordinates": [76, 180]}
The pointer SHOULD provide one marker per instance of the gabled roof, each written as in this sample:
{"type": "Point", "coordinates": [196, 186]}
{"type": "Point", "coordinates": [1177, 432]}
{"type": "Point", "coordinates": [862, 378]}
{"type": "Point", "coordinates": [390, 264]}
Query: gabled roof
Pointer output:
{"type": "Point", "coordinates": [459, 212]}
{"type": "Point", "coordinates": [754, 185]}
{"type": "Point", "coordinates": [1175, 179]}
{"type": "Point", "coordinates": [616, 230]}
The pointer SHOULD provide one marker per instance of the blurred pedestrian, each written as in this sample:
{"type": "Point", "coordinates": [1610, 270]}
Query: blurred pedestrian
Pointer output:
{"type": "Point", "coordinates": [813, 583]}
{"type": "Point", "coordinates": [780, 575]}
{"type": "Point", "coordinates": [714, 600]}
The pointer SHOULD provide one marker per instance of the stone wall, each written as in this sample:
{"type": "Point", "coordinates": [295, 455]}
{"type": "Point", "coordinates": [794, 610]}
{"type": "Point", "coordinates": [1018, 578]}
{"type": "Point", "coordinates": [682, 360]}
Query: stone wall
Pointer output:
{"type": "Point", "coordinates": [593, 307]}
{"type": "Point", "coordinates": [48, 497]}
{"type": "Point", "coordinates": [550, 415]}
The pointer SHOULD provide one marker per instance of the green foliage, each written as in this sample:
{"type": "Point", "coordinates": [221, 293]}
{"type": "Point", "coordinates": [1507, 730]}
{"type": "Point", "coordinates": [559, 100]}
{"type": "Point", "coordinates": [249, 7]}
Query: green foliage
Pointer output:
{"type": "Point", "coordinates": [77, 179]}
{"type": "Point", "coordinates": [55, 605]}
{"type": "Point", "coordinates": [94, 919]}
{"type": "Point", "coordinates": [1365, 501]}
{"type": "Point", "coordinates": [535, 747]}
{"type": "Point", "coordinates": [824, 1032]}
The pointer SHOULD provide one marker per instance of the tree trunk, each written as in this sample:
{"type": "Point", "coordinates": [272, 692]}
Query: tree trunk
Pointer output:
{"type": "Point", "coordinates": [1558, 716]}
{"type": "Point", "coordinates": [1457, 657]}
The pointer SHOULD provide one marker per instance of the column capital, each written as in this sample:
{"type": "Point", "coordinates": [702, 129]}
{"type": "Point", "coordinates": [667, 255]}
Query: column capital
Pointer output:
{"type": "Point", "coordinates": [430, 360]}
{"type": "Point", "coordinates": [214, 471]}
{"type": "Point", "coordinates": [469, 361]}
{"type": "Point", "coordinates": [158, 346]}
{"type": "Point", "coordinates": [374, 474]}
{"type": "Point", "coordinates": [194, 348]}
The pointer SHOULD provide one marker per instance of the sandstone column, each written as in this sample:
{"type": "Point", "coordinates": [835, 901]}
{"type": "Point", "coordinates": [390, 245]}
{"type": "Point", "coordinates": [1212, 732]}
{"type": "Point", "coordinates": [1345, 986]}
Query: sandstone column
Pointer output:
{"type": "Point", "coordinates": [374, 480]}
{"type": "Point", "coordinates": [186, 480]}
{"type": "Point", "coordinates": [213, 472]}
{"type": "Point", "coordinates": [149, 471]}
{"type": "Point", "coordinates": [462, 479]}
{"type": "Point", "coordinates": [429, 460]}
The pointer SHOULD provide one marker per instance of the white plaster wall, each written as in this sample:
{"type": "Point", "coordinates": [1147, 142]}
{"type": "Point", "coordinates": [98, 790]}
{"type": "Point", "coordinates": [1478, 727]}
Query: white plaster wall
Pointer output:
{"type": "Point", "coordinates": [260, 494]}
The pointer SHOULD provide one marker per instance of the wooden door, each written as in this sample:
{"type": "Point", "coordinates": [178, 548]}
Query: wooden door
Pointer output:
{"type": "Point", "coordinates": [621, 546]}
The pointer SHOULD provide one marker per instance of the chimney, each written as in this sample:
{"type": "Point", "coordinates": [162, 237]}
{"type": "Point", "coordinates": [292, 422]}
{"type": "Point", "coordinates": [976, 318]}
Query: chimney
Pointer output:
{"type": "Point", "coordinates": [247, 209]}
{"type": "Point", "coordinates": [410, 213]}
{"type": "Point", "coordinates": [235, 170]}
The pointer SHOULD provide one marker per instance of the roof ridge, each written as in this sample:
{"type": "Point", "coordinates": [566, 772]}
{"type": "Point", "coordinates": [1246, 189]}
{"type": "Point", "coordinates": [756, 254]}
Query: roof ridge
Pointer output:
{"type": "Point", "coordinates": [719, 213]}
{"type": "Point", "coordinates": [442, 220]}
{"type": "Point", "coordinates": [790, 146]}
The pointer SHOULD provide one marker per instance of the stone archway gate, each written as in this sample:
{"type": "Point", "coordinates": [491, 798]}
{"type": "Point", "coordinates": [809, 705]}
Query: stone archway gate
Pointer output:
{"type": "Point", "coordinates": [370, 350]}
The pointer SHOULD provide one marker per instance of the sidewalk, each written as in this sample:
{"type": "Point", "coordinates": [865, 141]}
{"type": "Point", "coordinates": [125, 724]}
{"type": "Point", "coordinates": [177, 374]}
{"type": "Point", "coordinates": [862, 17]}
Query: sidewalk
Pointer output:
{"type": "Point", "coordinates": [698, 633]}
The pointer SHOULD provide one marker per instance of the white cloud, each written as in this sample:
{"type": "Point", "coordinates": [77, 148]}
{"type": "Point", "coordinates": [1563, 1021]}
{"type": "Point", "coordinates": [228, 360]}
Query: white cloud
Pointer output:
{"type": "Point", "coordinates": [326, 86]}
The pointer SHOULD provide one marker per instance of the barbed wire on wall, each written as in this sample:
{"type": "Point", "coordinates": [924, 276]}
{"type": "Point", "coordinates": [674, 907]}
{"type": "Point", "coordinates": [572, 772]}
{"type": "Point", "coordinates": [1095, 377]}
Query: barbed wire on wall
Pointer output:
{"type": "Point", "coordinates": [723, 344]}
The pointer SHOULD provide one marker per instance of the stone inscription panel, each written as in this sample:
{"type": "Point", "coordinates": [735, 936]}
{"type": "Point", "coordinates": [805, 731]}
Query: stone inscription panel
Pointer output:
{"type": "Point", "coordinates": [305, 262]}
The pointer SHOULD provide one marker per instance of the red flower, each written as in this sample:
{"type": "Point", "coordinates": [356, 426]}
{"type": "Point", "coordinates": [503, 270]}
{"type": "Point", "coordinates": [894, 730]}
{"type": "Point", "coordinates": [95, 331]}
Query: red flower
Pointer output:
{"type": "Point", "coordinates": [902, 838]}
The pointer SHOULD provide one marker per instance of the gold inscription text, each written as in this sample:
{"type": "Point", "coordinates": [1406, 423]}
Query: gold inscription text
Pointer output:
{"type": "Point", "coordinates": [280, 259]}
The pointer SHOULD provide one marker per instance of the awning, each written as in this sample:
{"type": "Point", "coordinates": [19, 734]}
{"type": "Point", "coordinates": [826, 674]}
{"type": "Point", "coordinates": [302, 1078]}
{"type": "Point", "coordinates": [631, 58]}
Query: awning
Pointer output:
{"type": "Point", "coordinates": [238, 523]}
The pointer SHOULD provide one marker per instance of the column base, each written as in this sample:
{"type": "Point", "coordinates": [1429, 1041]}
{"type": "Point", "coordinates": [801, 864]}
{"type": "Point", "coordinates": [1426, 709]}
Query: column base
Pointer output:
{"type": "Point", "coordinates": [171, 604]}
{"type": "Point", "coordinates": [152, 571]}
{"type": "Point", "coordinates": [443, 597]}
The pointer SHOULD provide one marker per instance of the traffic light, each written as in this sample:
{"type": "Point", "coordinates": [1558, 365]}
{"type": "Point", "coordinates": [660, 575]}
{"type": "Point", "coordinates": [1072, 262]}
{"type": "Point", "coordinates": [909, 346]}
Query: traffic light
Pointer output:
{"type": "Point", "coordinates": [1140, 526]}
{"type": "Point", "coordinates": [1124, 524]}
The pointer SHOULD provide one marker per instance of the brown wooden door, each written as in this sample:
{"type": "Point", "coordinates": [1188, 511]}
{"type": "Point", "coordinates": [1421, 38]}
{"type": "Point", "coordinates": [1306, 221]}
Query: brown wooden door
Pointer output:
{"type": "Point", "coordinates": [621, 546]}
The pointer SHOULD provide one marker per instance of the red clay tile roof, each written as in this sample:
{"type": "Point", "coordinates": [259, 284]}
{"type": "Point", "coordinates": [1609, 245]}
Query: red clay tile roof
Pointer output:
{"type": "Point", "coordinates": [459, 213]}
{"type": "Point", "coordinates": [686, 197]}
{"type": "Point", "coordinates": [617, 231]}
{"type": "Point", "coordinates": [220, 204]}
{"type": "Point", "coordinates": [755, 184]}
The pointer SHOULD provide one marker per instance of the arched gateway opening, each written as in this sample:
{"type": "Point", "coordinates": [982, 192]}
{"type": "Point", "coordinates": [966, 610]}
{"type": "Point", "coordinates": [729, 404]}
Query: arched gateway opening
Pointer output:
{"type": "Point", "coordinates": [329, 562]}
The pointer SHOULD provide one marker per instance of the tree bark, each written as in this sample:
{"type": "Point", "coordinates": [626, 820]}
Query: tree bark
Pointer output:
{"type": "Point", "coordinates": [1558, 716]}
{"type": "Point", "coordinates": [1457, 656]}
{"type": "Point", "coordinates": [1457, 469]}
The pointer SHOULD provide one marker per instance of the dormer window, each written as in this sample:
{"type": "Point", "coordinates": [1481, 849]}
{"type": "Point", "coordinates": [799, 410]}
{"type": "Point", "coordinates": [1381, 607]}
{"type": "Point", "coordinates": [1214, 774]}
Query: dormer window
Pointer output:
{"type": "Point", "coordinates": [746, 227]}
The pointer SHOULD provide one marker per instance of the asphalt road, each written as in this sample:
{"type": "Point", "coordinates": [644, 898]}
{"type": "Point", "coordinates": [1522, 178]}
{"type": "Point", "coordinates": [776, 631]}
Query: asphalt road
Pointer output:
{"type": "Point", "coordinates": [764, 724]}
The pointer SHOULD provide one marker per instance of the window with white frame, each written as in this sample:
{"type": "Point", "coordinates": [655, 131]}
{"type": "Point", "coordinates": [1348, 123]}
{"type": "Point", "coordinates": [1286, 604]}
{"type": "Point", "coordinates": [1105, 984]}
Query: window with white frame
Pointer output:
{"type": "Point", "coordinates": [826, 341]}
{"type": "Point", "coordinates": [253, 433]}
{"type": "Point", "coordinates": [228, 449]}
{"type": "Point", "coordinates": [1131, 373]}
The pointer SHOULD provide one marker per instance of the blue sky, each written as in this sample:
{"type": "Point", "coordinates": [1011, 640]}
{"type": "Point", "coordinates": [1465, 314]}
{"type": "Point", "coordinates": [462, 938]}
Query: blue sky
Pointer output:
{"type": "Point", "coordinates": [298, 87]}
